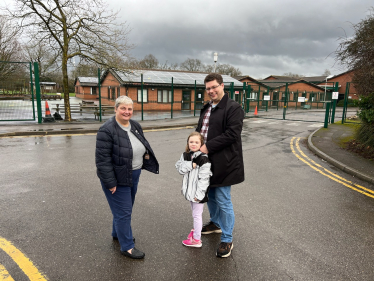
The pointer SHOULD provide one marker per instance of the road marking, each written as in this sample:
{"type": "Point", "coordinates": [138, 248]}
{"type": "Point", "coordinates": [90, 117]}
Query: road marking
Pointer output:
{"type": "Point", "coordinates": [21, 260]}
{"type": "Point", "coordinates": [4, 274]}
{"type": "Point", "coordinates": [293, 124]}
{"type": "Point", "coordinates": [326, 172]}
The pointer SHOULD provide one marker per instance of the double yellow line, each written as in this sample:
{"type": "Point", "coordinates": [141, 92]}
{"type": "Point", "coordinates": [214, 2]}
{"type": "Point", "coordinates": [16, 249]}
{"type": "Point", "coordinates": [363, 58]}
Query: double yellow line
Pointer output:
{"type": "Point", "coordinates": [21, 260]}
{"type": "Point", "coordinates": [315, 166]}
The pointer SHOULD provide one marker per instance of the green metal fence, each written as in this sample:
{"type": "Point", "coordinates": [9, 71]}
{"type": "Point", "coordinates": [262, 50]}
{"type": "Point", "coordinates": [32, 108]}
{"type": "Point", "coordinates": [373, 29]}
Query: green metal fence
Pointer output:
{"type": "Point", "coordinates": [17, 91]}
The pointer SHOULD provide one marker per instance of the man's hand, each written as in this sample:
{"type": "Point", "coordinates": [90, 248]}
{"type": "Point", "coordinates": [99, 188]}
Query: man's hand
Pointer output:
{"type": "Point", "coordinates": [204, 149]}
{"type": "Point", "coordinates": [113, 189]}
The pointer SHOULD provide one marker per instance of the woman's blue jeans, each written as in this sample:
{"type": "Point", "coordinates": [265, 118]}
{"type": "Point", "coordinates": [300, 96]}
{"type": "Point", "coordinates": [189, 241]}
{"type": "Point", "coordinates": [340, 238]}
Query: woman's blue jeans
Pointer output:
{"type": "Point", "coordinates": [121, 203]}
{"type": "Point", "coordinates": [221, 211]}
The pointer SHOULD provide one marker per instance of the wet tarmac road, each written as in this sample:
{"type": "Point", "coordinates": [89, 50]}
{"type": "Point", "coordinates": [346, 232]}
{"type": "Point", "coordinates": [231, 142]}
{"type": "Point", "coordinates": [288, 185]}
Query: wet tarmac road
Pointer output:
{"type": "Point", "coordinates": [292, 223]}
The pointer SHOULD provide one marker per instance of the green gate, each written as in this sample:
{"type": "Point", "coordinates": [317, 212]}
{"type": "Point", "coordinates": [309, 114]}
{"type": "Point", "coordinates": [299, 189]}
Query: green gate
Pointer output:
{"type": "Point", "coordinates": [17, 88]}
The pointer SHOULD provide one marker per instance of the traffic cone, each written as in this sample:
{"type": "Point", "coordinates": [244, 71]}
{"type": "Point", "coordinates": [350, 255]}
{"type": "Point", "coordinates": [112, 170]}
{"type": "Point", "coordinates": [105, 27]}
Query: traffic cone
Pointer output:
{"type": "Point", "coordinates": [48, 117]}
{"type": "Point", "coordinates": [256, 111]}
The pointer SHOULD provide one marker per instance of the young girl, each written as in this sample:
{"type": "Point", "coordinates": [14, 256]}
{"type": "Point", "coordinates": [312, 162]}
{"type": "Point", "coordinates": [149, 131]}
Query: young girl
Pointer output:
{"type": "Point", "coordinates": [195, 168]}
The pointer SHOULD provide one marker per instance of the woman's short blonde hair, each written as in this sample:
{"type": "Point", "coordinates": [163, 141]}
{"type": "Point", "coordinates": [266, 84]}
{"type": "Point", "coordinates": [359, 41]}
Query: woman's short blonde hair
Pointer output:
{"type": "Point", "coordinates": [123, 100]}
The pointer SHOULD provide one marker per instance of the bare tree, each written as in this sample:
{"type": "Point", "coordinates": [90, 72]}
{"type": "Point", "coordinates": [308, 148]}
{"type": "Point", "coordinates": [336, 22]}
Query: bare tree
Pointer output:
{"type": "Point", "coordinates": [293, 75]}
{"type": "Point", "coordinates": [74, 28]}
{"type": "Point", "coordinates": [192, 65]}
{"type": "Point", "coordinates": [149, 62]}
{"type": "Point", "coordinates": [327, 72]}
{"type": "Point", "coordinates": [228, 69]}
{"type": "Point", "coordinates": [166, 66]}
{"type": "Point", "coordinates": [40, 53]}
{"type": "Point", "coordinates": [10, 48]}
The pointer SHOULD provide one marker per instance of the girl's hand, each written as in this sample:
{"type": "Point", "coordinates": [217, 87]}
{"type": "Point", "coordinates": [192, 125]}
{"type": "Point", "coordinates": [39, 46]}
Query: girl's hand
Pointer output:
{"type": "Point", "coordinates": [196, 199]}
{"type": "Point", "coordinates": [193, 165]}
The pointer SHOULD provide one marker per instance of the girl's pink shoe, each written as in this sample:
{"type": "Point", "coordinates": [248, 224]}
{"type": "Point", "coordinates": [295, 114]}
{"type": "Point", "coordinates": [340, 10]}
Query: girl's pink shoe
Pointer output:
{"type": "Point", "coordinates": [190, 242]}
{"type": "Point", "coordinates": [191, 234]}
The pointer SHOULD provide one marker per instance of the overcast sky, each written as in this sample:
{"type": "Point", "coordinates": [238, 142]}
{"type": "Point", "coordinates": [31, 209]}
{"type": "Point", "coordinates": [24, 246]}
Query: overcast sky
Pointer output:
{"type": "Point", "coordinates": [259, 37]}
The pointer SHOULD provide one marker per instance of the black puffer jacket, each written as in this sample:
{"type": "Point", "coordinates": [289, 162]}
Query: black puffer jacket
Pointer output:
{"type": "Point", "coordinates": [224, 142]}
{"type": "Point", "coordinates": [114, 154]}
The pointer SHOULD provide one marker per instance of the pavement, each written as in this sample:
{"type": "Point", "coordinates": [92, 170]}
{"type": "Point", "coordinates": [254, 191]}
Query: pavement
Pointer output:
{"type": "Point", "coordinates": [324, 142]}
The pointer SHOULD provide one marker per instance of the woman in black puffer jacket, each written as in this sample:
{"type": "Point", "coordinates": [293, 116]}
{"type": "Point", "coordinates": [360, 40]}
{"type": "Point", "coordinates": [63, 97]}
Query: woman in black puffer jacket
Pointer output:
{"type": "Point", "coordinates": [121, 153]}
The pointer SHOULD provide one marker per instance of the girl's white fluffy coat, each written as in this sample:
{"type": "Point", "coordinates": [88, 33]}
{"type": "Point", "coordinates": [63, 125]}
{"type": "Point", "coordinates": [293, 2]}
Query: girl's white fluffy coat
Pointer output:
{"type": "Point", "coordinates": [195, 181]}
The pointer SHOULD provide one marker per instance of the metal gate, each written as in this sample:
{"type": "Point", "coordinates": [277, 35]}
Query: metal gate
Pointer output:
{"type": "Point", "coordinates": [284, 101]}
{"type": "Point", "coordinates": [17, 88]}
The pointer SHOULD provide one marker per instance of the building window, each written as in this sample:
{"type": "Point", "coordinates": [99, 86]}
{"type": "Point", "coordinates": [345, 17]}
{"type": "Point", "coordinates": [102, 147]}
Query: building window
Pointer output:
{"type": "Point", "coordinates": [253, 96]}
{"type": "Point", "coordinates": [164, 96]}
{"type": "Point", "coordinates": [109, 93]}
{"type": "Point", "coordinates": [118, 92]}
{"type": "Point", "coordinates": [113, 93]}
{"type": "Point", "coordinates": [145, 95]}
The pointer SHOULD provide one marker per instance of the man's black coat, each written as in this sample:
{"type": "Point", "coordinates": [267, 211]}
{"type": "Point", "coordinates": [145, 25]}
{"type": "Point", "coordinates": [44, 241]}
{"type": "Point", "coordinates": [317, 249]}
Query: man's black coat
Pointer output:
{"type": "Point", "coordinates": [224, 142]}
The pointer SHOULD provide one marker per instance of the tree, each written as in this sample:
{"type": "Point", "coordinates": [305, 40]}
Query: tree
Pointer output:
{"type": "Point", "coordinates": [326, 73]}
{"type": "Point", "coordinates": [83, 29]}
{"type": "Point", "coordinates": [192, 65]}
{"type": "Point", "coordinates": [166, 66]}
{"type": "Point", "coordinates": [293, 75]}
{"type": "Point", "coordinates": [357, 53]}
{"type": "Point", "coordinates": [10, 49]}
{"type": "Point", "coordinates": [84, 70]}
{"type": "Point", "coordinates": [149, 62]}
{"type": "Point", "coordinates": [228, 69]}
{"type": "Point", "coordinates": [39, 53]}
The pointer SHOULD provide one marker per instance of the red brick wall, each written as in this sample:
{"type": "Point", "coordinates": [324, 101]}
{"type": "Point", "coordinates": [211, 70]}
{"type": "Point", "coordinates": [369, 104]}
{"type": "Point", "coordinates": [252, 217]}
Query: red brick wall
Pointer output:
{"type": "Point", "coordinates": [343, 79]}
{"type": "Point", "coordinates": [152, 103]}
{"type": "Point", "coordinates": [84, 92]}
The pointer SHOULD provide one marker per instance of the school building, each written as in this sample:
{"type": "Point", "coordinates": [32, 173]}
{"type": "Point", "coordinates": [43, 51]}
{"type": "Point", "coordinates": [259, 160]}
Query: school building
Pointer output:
{"type": "Point", "coordinates": [157, 86]}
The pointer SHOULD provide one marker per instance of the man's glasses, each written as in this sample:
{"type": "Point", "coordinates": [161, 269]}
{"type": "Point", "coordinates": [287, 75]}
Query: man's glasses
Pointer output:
{"type": "Point", "coordinates": [211, 88]}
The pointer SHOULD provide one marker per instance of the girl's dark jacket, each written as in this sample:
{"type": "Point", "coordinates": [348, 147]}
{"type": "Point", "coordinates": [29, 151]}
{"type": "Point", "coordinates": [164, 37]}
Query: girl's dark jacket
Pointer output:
{"type": "Point", "coordinates": [224, 142]}
{"type": "Point", "coordinates": [114, 154]}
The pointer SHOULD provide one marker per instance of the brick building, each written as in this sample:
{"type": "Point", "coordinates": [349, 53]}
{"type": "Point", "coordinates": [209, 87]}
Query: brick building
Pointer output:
{"type": "Point", "coordinates": [342, 79]}
{"type": "Point", "coordinates": [86, 88]}
{"type": "Point", "coordinates": [157, 88]}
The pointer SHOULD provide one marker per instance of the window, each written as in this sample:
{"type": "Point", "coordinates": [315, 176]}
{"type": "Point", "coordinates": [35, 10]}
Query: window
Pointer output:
{"type": "Point", "coordinates": [164, 96]}
{"type": "Point", "coordinates": [113, 93]}
{"type": "Point", "coordinates": [118, 92]}
{"type": "Point", "coordinates": [145, 95]}
{"type": "Point", "coordinates": [295, 96]}
{"type": "Point", "coordinates": [109, 93]}
{"type": "Point", "coordinates": [253, 96]}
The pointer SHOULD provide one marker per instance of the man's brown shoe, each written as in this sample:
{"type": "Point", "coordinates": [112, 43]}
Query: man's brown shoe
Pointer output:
{"type": "Point", "coordinates": [224, 249]}
{"type": "Point", "coordinates": [210, 228]}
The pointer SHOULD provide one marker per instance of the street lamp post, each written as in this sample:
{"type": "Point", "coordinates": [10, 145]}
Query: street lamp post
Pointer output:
{"type": "Point", "coordinates": [215, 61]}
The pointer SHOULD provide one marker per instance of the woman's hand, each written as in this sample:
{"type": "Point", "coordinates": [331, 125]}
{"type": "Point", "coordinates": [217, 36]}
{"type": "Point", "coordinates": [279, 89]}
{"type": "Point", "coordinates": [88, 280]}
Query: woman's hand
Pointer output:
{"type": "Point", "coordinates": [196, 199]}
{"type": "Point", "coordinates": [113, 189]}
{"type": "Point", "coordinates": [193, 165]}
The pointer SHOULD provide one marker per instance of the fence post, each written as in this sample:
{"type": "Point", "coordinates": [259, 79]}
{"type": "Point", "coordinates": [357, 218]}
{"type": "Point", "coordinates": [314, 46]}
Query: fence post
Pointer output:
{"type": "Point", "coordinates": [98, 77]}
{"type": "Point", "coordinates": [345, 101]}
{"type": "Point", "coordinates": [232, 90]}
{"type": "Point", "coordinates": [37, 90]}
{"type": "Point", "coordinates": [327, 114]}
{"type": "Point", "coordinates": [141, 82]}
{"type": "Point", "coordinates": [285, 102]}
{"type": "Point", "coordinates": [172, 97]}
{"type": "Point", "coordinates": [32, 92]}
{"type": "Point", "coordinates": [247, 101]}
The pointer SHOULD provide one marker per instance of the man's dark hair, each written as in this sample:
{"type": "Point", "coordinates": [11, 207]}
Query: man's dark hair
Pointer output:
{"type": "Point", "coordinates": [213, 76]}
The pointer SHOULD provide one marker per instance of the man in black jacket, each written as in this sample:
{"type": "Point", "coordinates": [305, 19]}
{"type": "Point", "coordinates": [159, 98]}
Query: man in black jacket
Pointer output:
{"type": "Point", "coordinates": [221, 123]}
